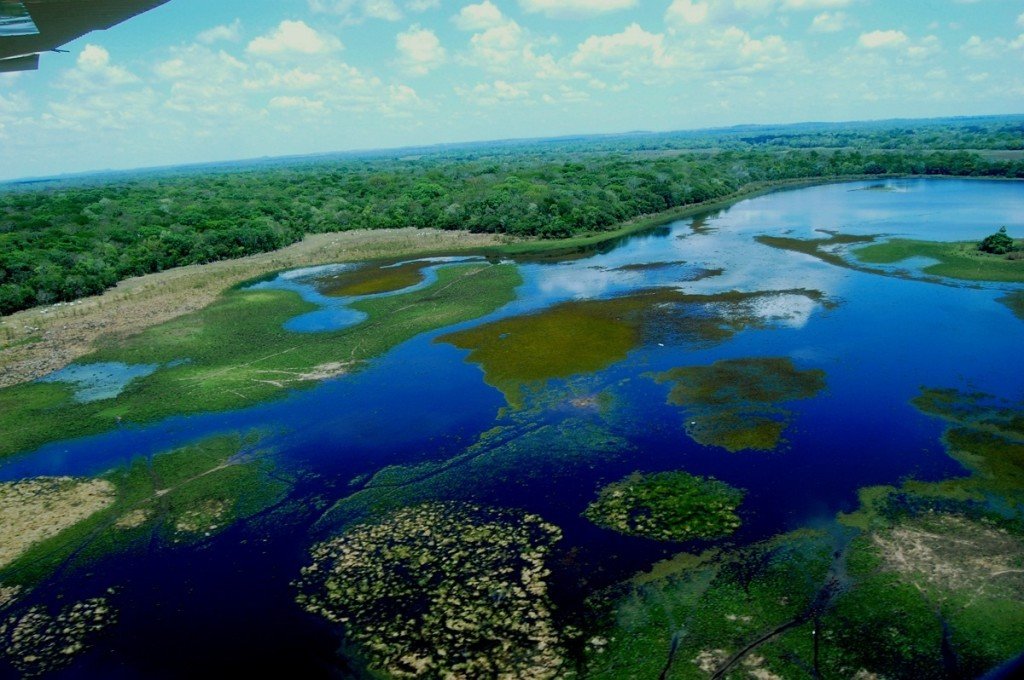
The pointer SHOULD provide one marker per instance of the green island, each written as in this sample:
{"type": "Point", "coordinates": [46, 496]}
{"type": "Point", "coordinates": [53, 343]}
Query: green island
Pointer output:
{"type": "Point", "coordinates": [667, 506]}
{"type": "Point", "coordinates": [958, 260]}
{"type": "Point", "coordinates": [964, 260]}
{"type": "Point", "coordinates": [442, 590]}
{"type": "Point", "coordinates": [924, 580]}
{"type": "Point", "coordinates": [736, 403]}
{"type": "Point", "coordinates": [586, 336]}
{"type": "Point", "coordinates": [236, 352]}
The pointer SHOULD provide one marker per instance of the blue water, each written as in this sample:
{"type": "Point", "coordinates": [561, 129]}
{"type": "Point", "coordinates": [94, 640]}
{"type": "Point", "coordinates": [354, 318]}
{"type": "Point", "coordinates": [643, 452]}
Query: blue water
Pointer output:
{"type": "Point", "coordinates": [104, 380]}
{"type": "Point", "coordinates": [227, 605]}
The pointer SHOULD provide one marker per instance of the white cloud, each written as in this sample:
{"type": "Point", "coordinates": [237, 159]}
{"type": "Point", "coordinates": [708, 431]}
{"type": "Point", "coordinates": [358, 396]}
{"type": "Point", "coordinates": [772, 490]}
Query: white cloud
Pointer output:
{"type": "Point", "coordinates": [882, 39]}
{"type": "Point", "coordinates": [479, 17]}
{"type": "Point", "coordinates": [815, 4]}
{"type": "Point", "coordinates": [230, 32]}
{"type": "Point", "coordinates": [93, 71]}
{"type": "Point", "coordinates": [686, 12]}
{"type": "Point", "coordinates": [419, 50]}
{"type": "Point", "coordinates": [296, 37]}
{"type": "Point", "coordinates": [829, 22]}
{"type": "Point", "coordinates": [357, 11]}
{"type": "Point", "coordinates": [1020, 20]}
{"type": "Point", "coordinates": [490, 94]}
{"type": "Point", "coordinates": [574, 8]}
{"type": "Point", "coordinates": [629, 52]}
{"type": "Point", "coordinates": [978, 48]}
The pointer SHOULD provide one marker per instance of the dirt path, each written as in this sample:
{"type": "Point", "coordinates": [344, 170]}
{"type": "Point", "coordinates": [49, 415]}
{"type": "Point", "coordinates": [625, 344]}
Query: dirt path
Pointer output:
{"type": "Point", "coordinates": [40, 340]}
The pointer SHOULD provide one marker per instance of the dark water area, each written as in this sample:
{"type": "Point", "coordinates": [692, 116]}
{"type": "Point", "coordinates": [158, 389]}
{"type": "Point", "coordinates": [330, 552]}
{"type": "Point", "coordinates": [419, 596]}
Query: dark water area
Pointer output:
{"type": "Point", "coordinates": [227, 604]}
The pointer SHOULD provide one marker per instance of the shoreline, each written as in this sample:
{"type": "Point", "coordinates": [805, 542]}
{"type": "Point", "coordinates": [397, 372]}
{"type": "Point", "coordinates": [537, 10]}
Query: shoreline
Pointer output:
{"type": "Point", "coordinates": [37, 341]}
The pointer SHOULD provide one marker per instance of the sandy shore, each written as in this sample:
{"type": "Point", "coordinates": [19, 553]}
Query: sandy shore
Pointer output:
{"type": "Point", "coordinates": [37, 341]}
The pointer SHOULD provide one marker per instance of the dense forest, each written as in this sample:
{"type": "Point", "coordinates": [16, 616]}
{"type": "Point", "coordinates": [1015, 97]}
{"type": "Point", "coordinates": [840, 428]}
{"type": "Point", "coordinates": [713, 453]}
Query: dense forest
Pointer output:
{"type": "Point", "coordinates": [65, 239]}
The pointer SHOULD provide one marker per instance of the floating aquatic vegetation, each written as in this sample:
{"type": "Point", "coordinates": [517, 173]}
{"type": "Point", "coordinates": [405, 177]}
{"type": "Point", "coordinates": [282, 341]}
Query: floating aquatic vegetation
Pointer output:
{"type": "Point", "coordinates": [34, 510]}
{"type": "Point", "coordinates": [667, 506]}
{"type": "Point", "coordinates": [587, 336]}
{"type": "Point", "coordinates": [734, 403]}
{"type": "Point", "coordinates": [442, 590]}
{"type": "Point", "coordinates": [37, 642]}
{"type": "Point", "coordinates": [8, 594]}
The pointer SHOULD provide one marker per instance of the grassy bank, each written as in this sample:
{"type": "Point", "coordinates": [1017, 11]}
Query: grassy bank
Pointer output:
{"type": "Point", "coordinates": [236, 352]}
{"type": "Point", "coordinates": [958, 260]}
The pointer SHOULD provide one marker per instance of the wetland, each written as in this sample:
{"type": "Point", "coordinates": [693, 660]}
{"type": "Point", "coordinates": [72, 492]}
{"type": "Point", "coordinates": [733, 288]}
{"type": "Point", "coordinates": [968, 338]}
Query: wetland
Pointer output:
{"type": "Point", "coordinates": [731, 446]}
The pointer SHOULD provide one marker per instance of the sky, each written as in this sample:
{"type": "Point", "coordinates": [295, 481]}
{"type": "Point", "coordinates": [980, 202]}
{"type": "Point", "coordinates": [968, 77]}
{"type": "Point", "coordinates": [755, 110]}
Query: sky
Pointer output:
{"type": "Point", "coordinates": [195, 80]}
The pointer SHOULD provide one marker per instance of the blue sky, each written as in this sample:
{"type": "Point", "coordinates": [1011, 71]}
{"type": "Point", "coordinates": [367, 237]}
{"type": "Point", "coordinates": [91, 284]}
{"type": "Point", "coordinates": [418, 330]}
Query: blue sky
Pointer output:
{"type": "Point", "coordinates": [196, 80]}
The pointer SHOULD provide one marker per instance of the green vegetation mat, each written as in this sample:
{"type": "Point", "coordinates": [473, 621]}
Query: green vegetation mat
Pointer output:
{"type": "Point", "coordinates": [667, 506]}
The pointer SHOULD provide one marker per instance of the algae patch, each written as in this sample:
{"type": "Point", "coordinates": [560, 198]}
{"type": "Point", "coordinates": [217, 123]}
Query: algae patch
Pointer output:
{"type": "Point", "coordinates": [667, 506]}
{"type": "Point", "coordinates": [734, 403]}
{"type": "Point", "coordinates": [33, 510]}
{"type": "Point", "coordinates": [442, 590]}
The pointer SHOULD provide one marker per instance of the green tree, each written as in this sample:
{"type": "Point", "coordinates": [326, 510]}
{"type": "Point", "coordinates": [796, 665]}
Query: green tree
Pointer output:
{"type": "Point", "coordinates": [998, 243]}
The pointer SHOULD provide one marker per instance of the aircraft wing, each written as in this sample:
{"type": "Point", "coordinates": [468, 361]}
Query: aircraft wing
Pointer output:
{"type": "Point", "coordinates": [28, 27]}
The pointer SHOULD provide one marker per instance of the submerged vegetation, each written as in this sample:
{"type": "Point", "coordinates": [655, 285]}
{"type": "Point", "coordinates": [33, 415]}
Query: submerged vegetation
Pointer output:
{"type": "Point", "coordinates": [442, 590]}
{"type": "Point", "coordinates": [736, 403]}
{"type": "Point", "coordinates": [586, 336]}
{"type": "Point", "coordinates": [37, 641]}
{"type": "Point", "coordinates": [238, 353]}
{"type": "Point", "coordinates": [667, 506]}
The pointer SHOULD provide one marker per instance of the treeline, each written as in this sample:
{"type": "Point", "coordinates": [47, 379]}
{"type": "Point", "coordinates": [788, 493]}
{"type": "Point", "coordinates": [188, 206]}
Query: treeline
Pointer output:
{"type": "Point", "coordinates": [66, 242]}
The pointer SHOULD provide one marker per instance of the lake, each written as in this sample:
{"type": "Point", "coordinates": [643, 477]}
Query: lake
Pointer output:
{"type": "Point", "coordinates": [604, 332]}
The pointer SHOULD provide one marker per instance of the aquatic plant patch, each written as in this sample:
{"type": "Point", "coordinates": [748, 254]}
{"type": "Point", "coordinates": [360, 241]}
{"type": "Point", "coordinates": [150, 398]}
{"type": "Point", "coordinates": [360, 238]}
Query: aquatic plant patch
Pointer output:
{"type": "Point", "coordinates": [442, 590]}
{"type": "Point", "coordinates": [737, 403]}
{"type": "Point", "coordinates": [667, 506]}
{"type": "Point", "coordinates": [36, 642]}
{"type": "Point", "coordinates": [587, 336]}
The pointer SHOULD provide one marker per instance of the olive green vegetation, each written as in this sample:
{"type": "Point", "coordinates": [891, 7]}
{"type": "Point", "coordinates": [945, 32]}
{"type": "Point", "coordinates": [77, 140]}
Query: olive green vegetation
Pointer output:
{"type": "Point", "coordinates": [667, 506]}
{"type": "Point", "coordinates": [369, 279]}
{"type": "Point", "coordinates": [64, 239]}
{"type": "Point", "coordinates": [821, 248]}
{"type": "Point", "coordinates": [586, 336]}
{"type": "Point", "coordinates": [735, 403]}
{"type": "Point", "coordinates": [958, 260]}
{"type": "Point", "coordinates": [1015, 301]}
{"type": "Point", "coordinates": [442, 590]}
{"type": "Point", "coordinates": [239, 354]}
{"type": "Point", "coordinates": [181, 496]}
